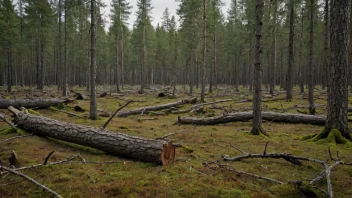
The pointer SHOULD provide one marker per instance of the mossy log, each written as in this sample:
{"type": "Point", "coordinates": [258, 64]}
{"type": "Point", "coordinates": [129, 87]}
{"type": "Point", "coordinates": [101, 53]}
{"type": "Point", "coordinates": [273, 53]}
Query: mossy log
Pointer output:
{"type": "Point", "coordinates": [146, 150]}
{"type": "Point", "coordinates": [245, 116]}
{"type": "Point", "coordinates": [31, 103]}
{"type": "Point", "coordinates": [146, 109]}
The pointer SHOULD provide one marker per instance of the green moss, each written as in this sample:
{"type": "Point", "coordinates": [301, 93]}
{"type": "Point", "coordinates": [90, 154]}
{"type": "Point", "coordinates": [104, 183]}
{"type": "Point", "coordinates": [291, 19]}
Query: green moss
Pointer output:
{"type": "Point", "coordinates": [31, 111]}
{"type": "Point", "coordinates": [187, 149]}
{"type": "Point", "coordinates": [146, 165]}
{"type": "Point", "coordinates": [123, 127]}
{"type": "Point", "coordinates": [308, 137]}
{"type": "Point", "coordinates": [80, 147]}
{"type": "Point", "coordinates": [7, 131]}
{"type": "Point", "coordinates": [227, 193]}
{"type": "Point", "coordinates": [284, 190]}
{"type": "Point", "coordinates": [334, 136]}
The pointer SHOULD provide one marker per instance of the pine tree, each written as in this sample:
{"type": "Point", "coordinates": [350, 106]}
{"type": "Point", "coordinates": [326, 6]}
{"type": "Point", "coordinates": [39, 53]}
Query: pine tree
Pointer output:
{"type": "Point", "coordinates": [119, 15]}
{"type": "Point", "coordinates": [8, 25]}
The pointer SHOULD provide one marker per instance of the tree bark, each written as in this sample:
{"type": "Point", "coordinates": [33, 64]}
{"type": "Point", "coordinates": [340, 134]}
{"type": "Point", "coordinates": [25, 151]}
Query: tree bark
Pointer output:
{"type": "Point", "coordinates": [289, 85]}
{"type": "Point", "coordinates": [338, 87]}
{"type": "Point", "coordinates": [155, 108]}
{"type": "Point", "coordinates": [203, 74]}
{"type": "Point", "coordinates": [246, 116]}
{"type": "Point", "coordinates": [93, 66]}
{"type": "Point", "coordinates": [64, 80]}
{"type": "Point", "coordinates": [326, 44]}
{"type": "Point", "coordinates": [310, 61]}
{"type": "Point", "coordinates": [31, 103]}
{"type": "Point", "coordinates": [147, 150]}
{"type": "Point", "coordinates": [257, 82]}
{"type": "Point", "coordinates": [273, 52]}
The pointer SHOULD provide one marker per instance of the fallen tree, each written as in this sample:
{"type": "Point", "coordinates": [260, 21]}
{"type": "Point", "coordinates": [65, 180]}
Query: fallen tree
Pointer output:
{"type": "Point", "coordinates": [31, 103]}
{"type": "Point", "coordinates": [245, 116]}
{"type": "Point", "coordinates": [146, 109]}
{"type": "Point", "coordinates": [147, 150]}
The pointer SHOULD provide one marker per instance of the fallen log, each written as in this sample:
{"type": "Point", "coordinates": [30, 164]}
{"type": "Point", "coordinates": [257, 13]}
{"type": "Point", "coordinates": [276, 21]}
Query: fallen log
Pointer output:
{"type": "Point", "coordinates": [144, 110]}
{"type": "Point", "coordinates": [32, 103]}
{"type": "Point", "coordinates": [147, 150]}
{"type": "Point", "coordinates": [245, 116]}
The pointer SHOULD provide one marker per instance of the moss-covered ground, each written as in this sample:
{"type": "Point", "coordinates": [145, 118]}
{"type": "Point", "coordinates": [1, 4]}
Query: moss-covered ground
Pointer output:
{"type": "Point", "coordinates": [186, 177]}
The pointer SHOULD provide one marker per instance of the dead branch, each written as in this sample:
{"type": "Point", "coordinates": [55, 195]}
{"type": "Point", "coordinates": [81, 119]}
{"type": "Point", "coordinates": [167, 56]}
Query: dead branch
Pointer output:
{"type": "Point", "coordinates": [231, 168]}
{"type": "Point", "coordinates": [143, 119]}
{"type": "Point", "coordinates": [69, 113]}
{"type": "Point", "coordinates": [20, 136]}
{"type": "Point", "coordinates": [47, 157]}
{"type": "Point", "coordinates": [2, 117]}
{"type": "Point", "coordinates": [113, 115]}
{"type": "Point", "coordinates": [31, 180]}
{"type": "Point", "coordinates": [233, 146]}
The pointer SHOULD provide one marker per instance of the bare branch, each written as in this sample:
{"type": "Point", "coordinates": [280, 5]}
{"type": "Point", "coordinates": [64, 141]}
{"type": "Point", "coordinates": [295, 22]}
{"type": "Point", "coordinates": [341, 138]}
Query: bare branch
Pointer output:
{"type": "Point", "coordinates": [31, 180]}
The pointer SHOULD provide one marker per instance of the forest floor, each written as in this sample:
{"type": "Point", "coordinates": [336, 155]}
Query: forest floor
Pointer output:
{"type": "Point", "coordinates": [187, 176]}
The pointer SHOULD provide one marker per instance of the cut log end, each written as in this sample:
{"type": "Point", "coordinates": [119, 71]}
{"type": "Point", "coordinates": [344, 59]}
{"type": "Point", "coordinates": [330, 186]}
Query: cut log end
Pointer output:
{"type": "Point", "coordinates": [168, 154]}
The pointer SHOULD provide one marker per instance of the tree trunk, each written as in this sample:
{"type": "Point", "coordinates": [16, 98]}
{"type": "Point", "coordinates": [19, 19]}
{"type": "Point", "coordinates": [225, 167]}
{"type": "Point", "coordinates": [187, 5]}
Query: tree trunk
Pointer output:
{"type": "Point", "coordinates": [58, 74]}
{"type": "Point", "coordinates": [155, 108]}
{"type": "Point", "coordinates": [117, 77]}
{"type": "Point", "coordinates": [147, 150]}
{"type": "Point", "coordinates": [326, 44]}
{"type": "Point", "coordinates": [289, 85]}
{"type": "Point", "coordinates": [300, 76]}
{"type": "Point", "coordinates": [338, 87]}
{"type": "Point", "coordinates": [31, 103]}
{"type": "Point", "coordinates": [9, 67]}
{"type": "Point", "coordinates": [273, 52]}
{"type": "Point", "coordinates": [21, 48]}
{"type": "Point", "coordinates": [257, 82]}
{"type": "Point", "coordinates": [64, 80]}
{"type": "Point", "coordinates": [203, 74]}
{"type": "Point", "coordinates": [246, 116]}
{"type": "Point", "coordinates": [310, 61]}
{"type": "Point", "coordinates": [93, 73]}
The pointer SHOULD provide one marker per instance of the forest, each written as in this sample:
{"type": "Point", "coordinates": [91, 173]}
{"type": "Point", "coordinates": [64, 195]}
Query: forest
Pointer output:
{"type": "Point", "coordinates": [251, 101]}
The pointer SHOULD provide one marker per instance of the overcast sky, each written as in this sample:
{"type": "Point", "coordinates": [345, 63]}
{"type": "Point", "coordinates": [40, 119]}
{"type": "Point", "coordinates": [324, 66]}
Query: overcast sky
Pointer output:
{"type": "Point", "coordinates": [159, 7]}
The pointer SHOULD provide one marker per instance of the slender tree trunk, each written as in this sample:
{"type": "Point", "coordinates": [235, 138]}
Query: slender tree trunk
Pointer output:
{"type": "Point", "coordinates": [93, 74]}
{"type": "Point", "coordinates": [21, 47]}
{"type": "Point", "coordinates": [290, 55]}
{"type": "Point", "coordinates": [9, 67]}
{"type": "Point", "coordinates": [203, 74]}
{"type": "Point", "coordinates": [257, 82]}
{"type": "Point", "coordinates": [58, 74]}
{"type": "Point", "coordinates": [300, 76]}
{"type": "Point", "coordinates": [310, 61]}
{"type": "Point", "coordinates": [326, 44]}
{"type": "Point", "coordinates": [213, 68]}
{"type": "Point", "coordinates": [143, 72]}
{"type": "Point", "coordinates": [64, 83]}
{"type": "Point", "coordinates": [250, 66]}
{"type": "Point", "coordinates": [117, 77]}
{"type": "Point", "coordinates": [350, 50]}
{"type": "Point", "coordinates": [122, 56]}
{"type": "Point", "coordinates": [338, 87]}
{"type": "Point", "coordinates": [41, 63]}
{"type": "Point", "coordinates": [273, 52]}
